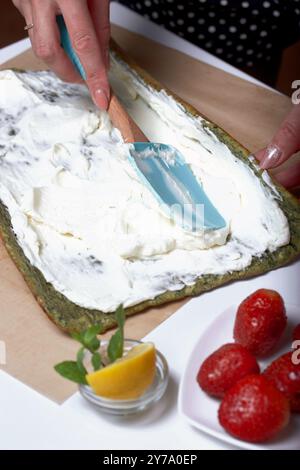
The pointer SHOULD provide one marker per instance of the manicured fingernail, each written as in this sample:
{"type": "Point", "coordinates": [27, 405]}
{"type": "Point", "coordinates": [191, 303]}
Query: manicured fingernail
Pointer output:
{"type": "Point", "coordinates": [100, 98]}
{"type": "Point", "coordinates": [271, 158]}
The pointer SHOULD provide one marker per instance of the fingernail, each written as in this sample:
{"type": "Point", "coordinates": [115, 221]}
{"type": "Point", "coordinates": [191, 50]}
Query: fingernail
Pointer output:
{"type": "Point", "coordinates": [100, 98]}
{"type": "Point", "coordinates": [271, 158]}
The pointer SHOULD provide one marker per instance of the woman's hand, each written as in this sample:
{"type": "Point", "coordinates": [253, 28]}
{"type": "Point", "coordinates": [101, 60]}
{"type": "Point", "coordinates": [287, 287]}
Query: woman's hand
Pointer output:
{"type": "Point", "coordinates": [284, 144]}
{"type": "Point", "coordinates": [88, 25]}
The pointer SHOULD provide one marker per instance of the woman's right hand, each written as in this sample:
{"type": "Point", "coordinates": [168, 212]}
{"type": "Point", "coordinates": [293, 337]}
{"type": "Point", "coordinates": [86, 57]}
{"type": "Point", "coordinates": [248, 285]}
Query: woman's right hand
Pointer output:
{"type": "Point", "coordinates": [88, 25]}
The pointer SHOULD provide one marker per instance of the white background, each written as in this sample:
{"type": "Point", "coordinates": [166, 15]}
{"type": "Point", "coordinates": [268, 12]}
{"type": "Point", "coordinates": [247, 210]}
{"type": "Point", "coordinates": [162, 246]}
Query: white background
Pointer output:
{"type": "Point", "coordinates": [28, 420]}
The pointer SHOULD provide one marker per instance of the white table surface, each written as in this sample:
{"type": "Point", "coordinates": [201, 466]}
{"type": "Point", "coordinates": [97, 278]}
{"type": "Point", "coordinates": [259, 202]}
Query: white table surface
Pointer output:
{"type": "Point", "coordinates": [28, 420]}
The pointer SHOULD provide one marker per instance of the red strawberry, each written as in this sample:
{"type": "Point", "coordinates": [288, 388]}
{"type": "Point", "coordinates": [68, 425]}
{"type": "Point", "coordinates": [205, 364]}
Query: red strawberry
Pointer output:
{"type": "Point", "coordinates": [296, 333]}
{"type": "Point", "coordinates": [254, 410]}
{"type": "Point", "coordinates": [284, 373]}
{"type": "Point", "coordinates": [295, 403]}
{"type": "Point", "coordinates": [225, 367]}
{"type": "Point", "coordinates": [260, 321]}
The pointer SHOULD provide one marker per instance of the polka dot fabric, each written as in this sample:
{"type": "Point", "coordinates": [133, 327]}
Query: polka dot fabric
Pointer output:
{"type": "Point", "coordinates": [248, 34]}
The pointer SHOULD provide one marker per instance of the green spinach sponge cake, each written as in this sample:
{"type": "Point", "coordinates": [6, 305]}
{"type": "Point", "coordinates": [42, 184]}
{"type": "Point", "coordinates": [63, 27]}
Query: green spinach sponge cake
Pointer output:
{"type": "Point", "coordinates": [86, 233]}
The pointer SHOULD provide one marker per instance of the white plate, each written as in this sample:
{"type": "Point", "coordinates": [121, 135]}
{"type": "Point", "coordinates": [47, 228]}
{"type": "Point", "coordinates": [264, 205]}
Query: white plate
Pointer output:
{"type": "Point", "coordinates": [201, 411]}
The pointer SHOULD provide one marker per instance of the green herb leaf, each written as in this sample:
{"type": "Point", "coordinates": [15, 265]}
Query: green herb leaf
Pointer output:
{"type": "Point", "coordinates": [96, 361]}
{"type": "Point", "coordinates": [88, 338]}
{"type": "Point", "coordinates": [93, 345]}
{"type": "Point", "coordinates": [70, 370]}
{"type": "Point", "coordinates": [120, 317]}
{"type": "Point", "coordinates": [115, 346]}
{"type": "Point", "coordinates": [80, 365]}
{"type": "Point", "coordinates": [91, 333]}
{"type": "Point", "coordinates": [116, 343]}
{"type": "Point", "coordinates": [78, 336]}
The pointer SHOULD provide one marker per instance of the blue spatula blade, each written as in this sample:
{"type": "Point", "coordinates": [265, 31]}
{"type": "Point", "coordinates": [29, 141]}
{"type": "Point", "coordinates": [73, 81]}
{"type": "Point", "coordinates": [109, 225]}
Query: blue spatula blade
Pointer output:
{"type": "Point", "coordinates": [164, 170]}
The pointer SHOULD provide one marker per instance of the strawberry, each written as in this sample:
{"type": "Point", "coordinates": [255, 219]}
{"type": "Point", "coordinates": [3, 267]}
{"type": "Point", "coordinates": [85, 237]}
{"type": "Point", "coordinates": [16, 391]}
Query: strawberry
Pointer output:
{"type": "Point", "coordinates": [260, 321]}
{"type": "Point", "coordinates": [284, 373]}
{"type": "Point", "coordinates": [296, 333]}
{"type": "Point", "coordinates": [225, 367]}
{"type": "Point", "coordinates": [254, 410]}
{"type": "Point", "coordinates": [295, 403]}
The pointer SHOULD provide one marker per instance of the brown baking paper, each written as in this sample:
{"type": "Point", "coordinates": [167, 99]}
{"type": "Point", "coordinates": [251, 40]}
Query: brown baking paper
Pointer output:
{"type": "Point", "coordinates": [248, 112]}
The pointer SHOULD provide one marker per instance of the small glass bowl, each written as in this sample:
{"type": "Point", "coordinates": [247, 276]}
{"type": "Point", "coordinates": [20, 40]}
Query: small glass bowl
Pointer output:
{"type": "Point", "coordinates": [126, 407]}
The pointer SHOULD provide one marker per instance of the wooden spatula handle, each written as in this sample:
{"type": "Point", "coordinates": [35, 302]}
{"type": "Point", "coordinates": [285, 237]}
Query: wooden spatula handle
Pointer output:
{"type": "Point", "coordinates": [122, 121]}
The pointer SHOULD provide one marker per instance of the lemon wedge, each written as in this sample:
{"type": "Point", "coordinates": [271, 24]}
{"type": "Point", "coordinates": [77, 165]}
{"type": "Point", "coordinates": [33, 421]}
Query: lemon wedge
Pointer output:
{"type": "Point", "coordinates": [128, 377]}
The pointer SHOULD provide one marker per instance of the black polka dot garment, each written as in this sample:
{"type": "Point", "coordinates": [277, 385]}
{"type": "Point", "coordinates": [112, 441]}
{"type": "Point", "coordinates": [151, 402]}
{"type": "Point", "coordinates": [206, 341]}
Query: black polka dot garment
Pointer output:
{"type": "Point", "coordinates": [248, 34]}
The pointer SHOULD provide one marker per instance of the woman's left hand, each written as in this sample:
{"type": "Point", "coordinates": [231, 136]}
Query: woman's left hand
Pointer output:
{"type": "Point", "coordinates": [284, 144]}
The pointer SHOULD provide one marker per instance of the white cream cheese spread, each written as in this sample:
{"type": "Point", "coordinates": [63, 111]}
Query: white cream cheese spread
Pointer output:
{"type": "Point", "coordinates": [86, 221]}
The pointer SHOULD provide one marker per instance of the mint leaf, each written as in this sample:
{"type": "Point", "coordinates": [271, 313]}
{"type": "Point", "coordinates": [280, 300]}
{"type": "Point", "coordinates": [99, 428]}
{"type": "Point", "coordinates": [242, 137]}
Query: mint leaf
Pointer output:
{"type": "Point", "coordinates": [96, 361]}
{"type": "Point", "coordinates": [115, 346]}
{"type": "Point", "coordinates": [93, 345]}
{"type": "Point", "coordinates": [78, 336]}
{"type": "Point", "coordinates": [80, 357]}
{"type": "Point", "coordinates": [116, 342]}
{"type": "Point", "coordinates": [91, 333]}
{"type": "Point", "coordinates": [120, 317]}
{"type": "Point", "coordinates": [70, 370]}
{"type": "Point", "coordinates": [88, 338]}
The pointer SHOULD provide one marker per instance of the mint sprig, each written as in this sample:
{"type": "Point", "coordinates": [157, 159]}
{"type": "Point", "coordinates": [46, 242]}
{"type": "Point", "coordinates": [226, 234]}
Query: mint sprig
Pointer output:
{"type": "Point", "coordinates": [70, 370]}
{"type": "Point", "coordinates": [88, 338]}
{"type": "Point", "coordinates": [96, 361]}
{"type": "Point", "coordinates": [76, 370]}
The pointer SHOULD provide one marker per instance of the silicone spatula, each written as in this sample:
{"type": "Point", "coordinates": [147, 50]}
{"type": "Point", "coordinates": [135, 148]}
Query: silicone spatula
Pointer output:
{"type": "Point", "coordinates": [161, 167]}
